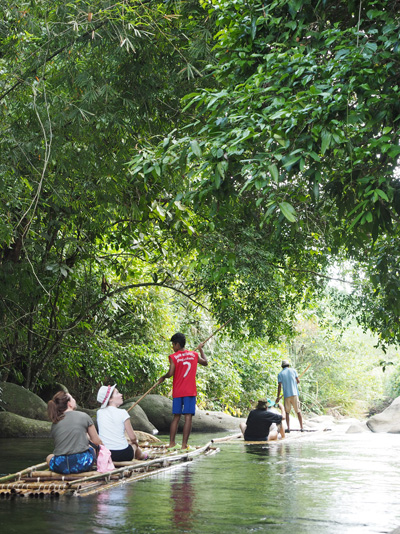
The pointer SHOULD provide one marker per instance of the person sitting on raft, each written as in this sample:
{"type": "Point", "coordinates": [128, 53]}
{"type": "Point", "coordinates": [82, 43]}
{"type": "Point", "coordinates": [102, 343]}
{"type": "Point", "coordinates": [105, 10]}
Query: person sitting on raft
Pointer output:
{"type": "Point", "coordinates": [71, 431]}
{"type": "Point", "coordinates": [113, 422]}
{"type": "Point", "coordinates": [259, 421]}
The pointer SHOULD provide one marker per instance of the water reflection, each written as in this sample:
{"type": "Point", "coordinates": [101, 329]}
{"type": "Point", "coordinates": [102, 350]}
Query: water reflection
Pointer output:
{"type": "Point", "coordinates": [183, 495]}
{"type": "Point", "coordinates": [111, 512]}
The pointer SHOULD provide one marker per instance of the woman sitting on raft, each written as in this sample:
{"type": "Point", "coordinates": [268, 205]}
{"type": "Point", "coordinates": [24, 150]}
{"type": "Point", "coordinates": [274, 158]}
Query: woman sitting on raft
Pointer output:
{"type": "Point", "coordinates": [113, 423]}
{"type": "Point", "coordinates": [70, 430]}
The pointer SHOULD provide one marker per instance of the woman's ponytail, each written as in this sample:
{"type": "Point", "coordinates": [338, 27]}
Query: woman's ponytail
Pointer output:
{"type": "Point", "coordinates": [57, 406]}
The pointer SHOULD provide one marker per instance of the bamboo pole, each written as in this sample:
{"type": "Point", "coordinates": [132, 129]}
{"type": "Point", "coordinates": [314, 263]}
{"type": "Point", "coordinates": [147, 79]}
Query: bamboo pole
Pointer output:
{"type": "Point", "coordinates": [138, 476]}
{"type": "Point", "coordinates": [143, 396]}
{"type": "Point", "coordinates": [39, 485]}
{"type": "Point", "coordinates": [227, 438]}
{"type": "Point", "coordinates": [58, 477]}
{"type": "Point", "coordinates": [306, 369]}
{"type": "Point", "coordinates": [216, 331]}
{"type": "Point", "coordinates": [144, 464]}
{"type": "Point", "coordinates": [20, 473]}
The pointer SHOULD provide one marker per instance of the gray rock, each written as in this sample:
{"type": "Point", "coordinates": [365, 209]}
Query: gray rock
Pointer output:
{"type": "Point", "coordinates": [321, 419]}
{"type": "Point", "coordinates": [159, 412]}
{"type": "Point", "coordinates": [346, 421]}
{"type": "Point", "coordinates": [206, 421]}
{"type": "Point", "coordinates": [16, 426]}
{"type": "Point", "coordinates": [21, 401]}
{"type": "Point", "coordinates": [139, 418]}
{"type": "Point", "coordinates": [357, 428]}
{"type": "Point", "coordinates": [388, 420]}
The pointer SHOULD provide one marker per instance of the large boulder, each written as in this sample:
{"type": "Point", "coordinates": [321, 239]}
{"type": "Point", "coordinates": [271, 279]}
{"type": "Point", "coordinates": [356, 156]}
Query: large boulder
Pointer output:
{"type": "Point", "coordinates": [139, 418]}
{"type": "Point", "coordinates": [16, 426]}
{"type": "Point", "coordinates": [206, 421]}
{"type": "Point", "coordinates": [388, 420]}
{"type": "Point", "coordinates": [21, 401]}
{"type": "Point", "coordinates": [159, 412]}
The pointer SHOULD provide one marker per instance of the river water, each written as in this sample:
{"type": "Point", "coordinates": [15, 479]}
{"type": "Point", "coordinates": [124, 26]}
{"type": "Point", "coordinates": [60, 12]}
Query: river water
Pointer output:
{"type": "Point", "coordinates": [326, 483]}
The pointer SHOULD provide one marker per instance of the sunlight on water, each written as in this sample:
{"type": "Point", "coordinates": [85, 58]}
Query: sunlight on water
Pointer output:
{"type": "Point", "coordinates": [326, 484]}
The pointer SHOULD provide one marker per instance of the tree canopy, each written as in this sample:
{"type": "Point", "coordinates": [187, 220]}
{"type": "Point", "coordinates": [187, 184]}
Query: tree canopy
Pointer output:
{"type": "Point", "coordinates": [225, 150]}
{"type": "Point", "coordinates": [300, 140]}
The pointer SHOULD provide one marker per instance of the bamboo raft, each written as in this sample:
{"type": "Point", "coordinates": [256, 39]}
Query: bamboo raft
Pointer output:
{"type": "Point", "coordinates": [39, 482]}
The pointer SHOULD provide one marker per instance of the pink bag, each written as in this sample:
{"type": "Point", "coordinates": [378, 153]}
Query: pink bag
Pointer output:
{"type": "Point", "coordinates": [104, 462]}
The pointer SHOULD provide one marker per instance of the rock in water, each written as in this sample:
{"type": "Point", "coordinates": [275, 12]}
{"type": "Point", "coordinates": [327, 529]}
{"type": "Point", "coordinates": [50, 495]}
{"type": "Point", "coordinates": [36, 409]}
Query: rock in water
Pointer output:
{"type": "Point", "coordinates": [388, 420]}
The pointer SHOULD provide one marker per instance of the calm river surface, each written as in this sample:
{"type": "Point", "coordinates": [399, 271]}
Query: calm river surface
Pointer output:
{"type": "Point", "coordinates": [326, 484]}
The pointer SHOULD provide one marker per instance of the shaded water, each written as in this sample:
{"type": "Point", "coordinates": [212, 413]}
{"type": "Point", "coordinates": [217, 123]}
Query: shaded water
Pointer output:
{"type": "Point", "coordinates": [326, 484]}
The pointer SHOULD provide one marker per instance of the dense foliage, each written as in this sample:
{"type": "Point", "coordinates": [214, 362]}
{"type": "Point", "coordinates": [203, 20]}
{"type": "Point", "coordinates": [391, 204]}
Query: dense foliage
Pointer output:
{"type": "Point", "coordinates": [300, 141]}
{"type": "Point", "coordinates": [81, 84]}
{"type": "Point", "coordinates": [175, 164]}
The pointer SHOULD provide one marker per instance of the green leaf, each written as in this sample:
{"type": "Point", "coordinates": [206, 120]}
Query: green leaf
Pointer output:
{"type": "Point", "coordinates": [288, 211]}
{"type": "Point", "coordinates": [194, 145]}
{"type": "Point", "coordinates": [291, 160]}
{"type": "Point", "coordinates": [382, 194]}
{"type": "Point", "coordinates": [273, 169]}
{"type": "Point", "coordinates": [326, 139]}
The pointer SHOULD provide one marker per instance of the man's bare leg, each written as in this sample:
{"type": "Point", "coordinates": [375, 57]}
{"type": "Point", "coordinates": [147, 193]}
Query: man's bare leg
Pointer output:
{"type": "Point", "coordinates": [288, 421]}
{"type": "Point", "coordinates": [187, 427]}
{"type": "Point", "coordinates": [173, 430]}
{"type": "Point", "coordinates": [300, 419]}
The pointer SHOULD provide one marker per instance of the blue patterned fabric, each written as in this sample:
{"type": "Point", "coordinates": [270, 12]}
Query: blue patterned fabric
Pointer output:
{"type": "Point", "coordinates": [73, 463]}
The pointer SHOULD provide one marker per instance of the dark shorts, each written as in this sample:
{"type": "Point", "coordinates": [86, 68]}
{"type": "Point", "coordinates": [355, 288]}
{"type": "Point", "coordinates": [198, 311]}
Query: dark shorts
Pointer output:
{"type": "Point", "coordinates": [123, 455]}
{"type": "Point", "coordinates": [255, 438]}
{"type": "Point", "coordinates": [73, 463]}
{"type": "Point", "coordinates": [184, 405]}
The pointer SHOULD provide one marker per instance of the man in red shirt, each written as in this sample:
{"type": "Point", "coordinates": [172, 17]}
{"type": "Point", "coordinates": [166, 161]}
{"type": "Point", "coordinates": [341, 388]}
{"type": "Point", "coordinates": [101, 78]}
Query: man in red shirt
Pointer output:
{"type": "Point", "coordinates": [183, 367]}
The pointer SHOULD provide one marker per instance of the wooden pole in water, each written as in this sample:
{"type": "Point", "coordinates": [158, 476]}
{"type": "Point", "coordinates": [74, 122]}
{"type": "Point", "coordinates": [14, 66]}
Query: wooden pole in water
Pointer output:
{"type": "Point", "coordinates": [156, 384]}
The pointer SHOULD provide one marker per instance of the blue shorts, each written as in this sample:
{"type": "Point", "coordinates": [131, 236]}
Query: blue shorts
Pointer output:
{"type": "Point", "coordinates": [73, 463]}
{"type": "Point", "coordinates": [184, 405]}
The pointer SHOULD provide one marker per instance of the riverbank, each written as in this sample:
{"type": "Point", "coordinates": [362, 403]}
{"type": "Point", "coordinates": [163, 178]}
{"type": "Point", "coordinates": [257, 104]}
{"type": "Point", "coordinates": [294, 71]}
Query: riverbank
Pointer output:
{"type": "Point", "coordinates": [24, 415]}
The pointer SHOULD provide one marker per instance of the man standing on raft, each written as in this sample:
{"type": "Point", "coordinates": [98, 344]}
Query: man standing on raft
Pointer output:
{"type": "Point", "coordinates": [288, 379]}
{"type": "Point", "coordinates": [183, 367]}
